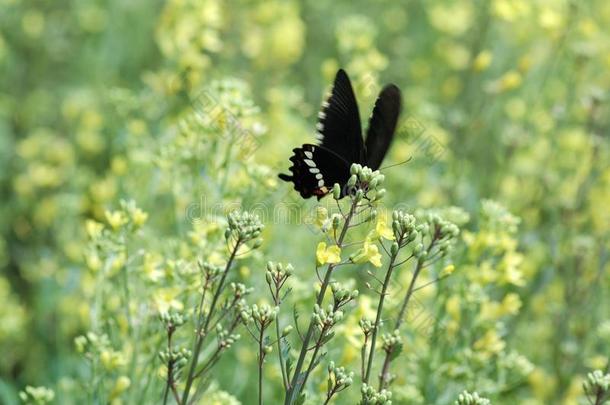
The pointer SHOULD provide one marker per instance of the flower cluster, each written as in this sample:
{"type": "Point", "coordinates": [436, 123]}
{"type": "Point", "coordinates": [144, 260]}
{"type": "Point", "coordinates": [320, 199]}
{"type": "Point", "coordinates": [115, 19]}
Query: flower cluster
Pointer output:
{"type": "Point", "coordinates": [338, 380]}
{"type": "Point", "coordinates": [597, 387]}
{"type": "Point", "coordinates": [370, 396]}
{"type": "Point", "coordinates": [467, 398]}
{"type": "Point", "coordinates": [244, 227]}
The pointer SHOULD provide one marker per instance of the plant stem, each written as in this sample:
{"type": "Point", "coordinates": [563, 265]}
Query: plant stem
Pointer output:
{"type": "Point", "coordinates": [170, 367]}
{"type": "Point", "coordinates": [384, 289]}
{"type": "Point", "coordinates": [399, 320]}
{"type": "Point", "coordinates": [202, 332]}
{"type": "Point", "coordinates": [261, 358]}
{"type": "Point", "coordinates": [294, 389]}
{"type": "Point", "coordinates": [279, 353]}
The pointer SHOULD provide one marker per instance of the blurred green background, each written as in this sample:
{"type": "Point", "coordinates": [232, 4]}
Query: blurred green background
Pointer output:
{"type": "Point", "coordinates": [504, 100]}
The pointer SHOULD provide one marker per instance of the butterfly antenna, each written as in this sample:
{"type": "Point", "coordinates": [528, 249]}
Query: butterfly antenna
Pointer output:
{"type": "Point", "coordinates": [397, 164]}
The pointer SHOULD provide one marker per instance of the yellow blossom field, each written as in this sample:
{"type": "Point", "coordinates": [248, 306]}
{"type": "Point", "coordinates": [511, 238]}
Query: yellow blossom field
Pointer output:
{"type": "Point", "coordinates": [150, 254]}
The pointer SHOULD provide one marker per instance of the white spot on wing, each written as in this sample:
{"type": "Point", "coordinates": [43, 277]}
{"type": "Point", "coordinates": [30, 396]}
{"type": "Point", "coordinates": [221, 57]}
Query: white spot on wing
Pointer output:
{"type": "Point", "coordinates": [319, 176]}
{"type": "Point", "coordinates": [321, 115]}
{"type": "Point", "coordinates": [314, 170]}
{"type": "Point", "coordinates": [309, 154]}
{"type": "Point", "coordinates": [325, 104]}
{"type": "Point", "coordinates": [320, 183]}
{"type": "Point", "coordinates": [320, 127]}
{"type": "Point", "coordinates": [309, 162]}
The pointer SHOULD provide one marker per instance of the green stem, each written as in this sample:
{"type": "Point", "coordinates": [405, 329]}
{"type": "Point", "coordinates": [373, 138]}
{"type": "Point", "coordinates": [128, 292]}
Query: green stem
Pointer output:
{"type": "Point", "coordinates": [261, 358]}
{"type": "Point", "coordinates": [170, 368]}
{"type": "Point", "coordinates": [384, 289]}
{"type": "Point", "coordinates": [279, 353]}
{"type": "Point", "coordinates": [292, 390]}
{"type": "Point", "coordinates": [399, 320]}
{"type": "Point", "coordinates": [202, 332]}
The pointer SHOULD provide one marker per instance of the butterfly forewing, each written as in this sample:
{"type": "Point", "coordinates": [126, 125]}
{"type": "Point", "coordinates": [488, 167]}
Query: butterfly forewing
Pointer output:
{"type": "Point", "coordinates": [338, 124]}
{"type": "Point", "coordinates": [382, 126]}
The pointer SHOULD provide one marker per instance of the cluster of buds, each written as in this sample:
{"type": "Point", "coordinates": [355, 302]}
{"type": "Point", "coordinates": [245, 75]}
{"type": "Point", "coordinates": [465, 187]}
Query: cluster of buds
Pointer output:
{"type": "Point", "coordinates": [276, 276]}
{"type": "Point", "coordinates": [442, 235]}
{"type": "Point", "coordinates": [363, 183]}
{"type": "Point", "coordinates": [597, 386]}
{"type": "Point", "coordinates": [262, 315]}
{"type": "Point", "coordinates": [91, 343]}
{"type": "Point", "coordinates": [178, 358]}
{"type": "Point", "coordinates": [209, 270]}
{"type": "Point", "coordinates": [370, 396]}
{"type": "Point", "coordinates": [392, 344]}
{"type": "Point", "coordinates": [244, 227]}
{"type": "Point", "coordinates": [172, 320]}
{"type": "Point", "coordinates": [326, 319]}
{"type": "Point", "coordinates": [342, 296]}
{"type": "Point", "coordinates": [129, 217]}
{"type": "Point", "coordinates": [404, 229]}
{"type": "Point", "coordinates": [467, 398]}
{"type": "Point", "coordinates": [225, 338]}
{"type": "Point", "coordinates": [367, 326]}
{"type": "Point", "coordinates": [338, 379]}
{"type": "Point", "coordinates": [239, 290]}
{"type": "Point", "coordinates": [37, 395]}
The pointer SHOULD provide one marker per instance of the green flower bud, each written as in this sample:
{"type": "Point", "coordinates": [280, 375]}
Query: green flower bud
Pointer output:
{"type": "Point", "coordinates": [336, 191]}
{"type": "Point", "coordinates": [394, 249]}
{"type": "Point", "coordinates": [286, 331]}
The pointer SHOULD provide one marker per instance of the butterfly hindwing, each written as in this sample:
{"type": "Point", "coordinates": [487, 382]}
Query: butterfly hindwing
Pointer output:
{"type": "Point", "coordinates": [315, 169]}
{"type": "Point", "coordinates": [338, 124]}
{"type": "Point", "coordinates": [382, 125]}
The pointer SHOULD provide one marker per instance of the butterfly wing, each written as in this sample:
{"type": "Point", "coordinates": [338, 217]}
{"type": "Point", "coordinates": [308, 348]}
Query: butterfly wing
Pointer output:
{"type": "Point", "coordinates": [382, 125]}
{"type": "Point", "coordinates": [338, 127]}
{"type": "Point", "coordinates": [315, 169]}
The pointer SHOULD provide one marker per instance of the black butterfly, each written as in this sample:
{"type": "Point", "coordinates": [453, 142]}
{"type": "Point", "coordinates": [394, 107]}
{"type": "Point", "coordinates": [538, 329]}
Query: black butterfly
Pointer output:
{"type": "Point", "coordinates": [316, 168]}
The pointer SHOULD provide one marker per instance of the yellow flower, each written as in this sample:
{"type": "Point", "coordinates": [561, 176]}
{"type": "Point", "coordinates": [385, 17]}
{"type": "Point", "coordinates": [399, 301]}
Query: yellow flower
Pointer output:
{"type": "Point", "coordinates": [490, 343]}
{"type": "Point", "coordinates": [139, 217]}
{"type": "Point", "coordinates": [482, 61]}
{"type": "Point", "coordinates": [447, 271]}
{"type": "Point", "coordinates": [511, 304]}
{"type": "Point", "coordinates": [93, 261]}
{"type": "Point", "coordinates": [121, 384]}
{"type": "Point", "coordinates": [94, 228]}
{"type": "Point", "coordinates": [167, 299]}
{"type": "Point", "coordinates": [453, 307]}
{"type": "Point", "coordinates": [369, 253]}
{"type": "Point", "coordinates": [115, 219]}
{"type": "Point", "coordinates": [330, 254]}
{"type": "Point", "coordinates": [509, 81]}
{"type": "Point", "coordinates": [381, 231]}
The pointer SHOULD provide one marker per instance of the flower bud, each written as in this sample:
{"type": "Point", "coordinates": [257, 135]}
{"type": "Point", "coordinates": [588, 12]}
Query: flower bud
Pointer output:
{"type": "Point", "coordinates": [336, 191]}
{"type": "Point", "coordinates": [394, 248]}
{"type": "Point", "coordinates": [286, 331]}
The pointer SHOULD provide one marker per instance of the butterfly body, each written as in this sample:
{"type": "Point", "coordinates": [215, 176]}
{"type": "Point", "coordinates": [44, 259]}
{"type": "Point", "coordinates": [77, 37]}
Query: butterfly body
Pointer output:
{"type": "Point", "coordinates": [316, 168]}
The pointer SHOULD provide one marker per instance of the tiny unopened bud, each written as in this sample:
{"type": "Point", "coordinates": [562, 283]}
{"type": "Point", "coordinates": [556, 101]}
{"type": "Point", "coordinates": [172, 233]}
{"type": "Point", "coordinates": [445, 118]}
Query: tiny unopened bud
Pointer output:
{"type": "Point", "coordinates": [336, 191]}
{"type": "Point", "coordinates": [394, 248]}
{"type": "Point", "coordinates": [286, 331]}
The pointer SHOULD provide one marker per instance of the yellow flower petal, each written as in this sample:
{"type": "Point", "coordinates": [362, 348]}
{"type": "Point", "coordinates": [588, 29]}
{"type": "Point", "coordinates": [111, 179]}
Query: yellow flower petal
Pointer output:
{"type": "Point", "coordinates": [383, 230]}
{"type": "Point", "coordinates": [325, 254]}
{"type": "Point", "coordinates": [369, 253]}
